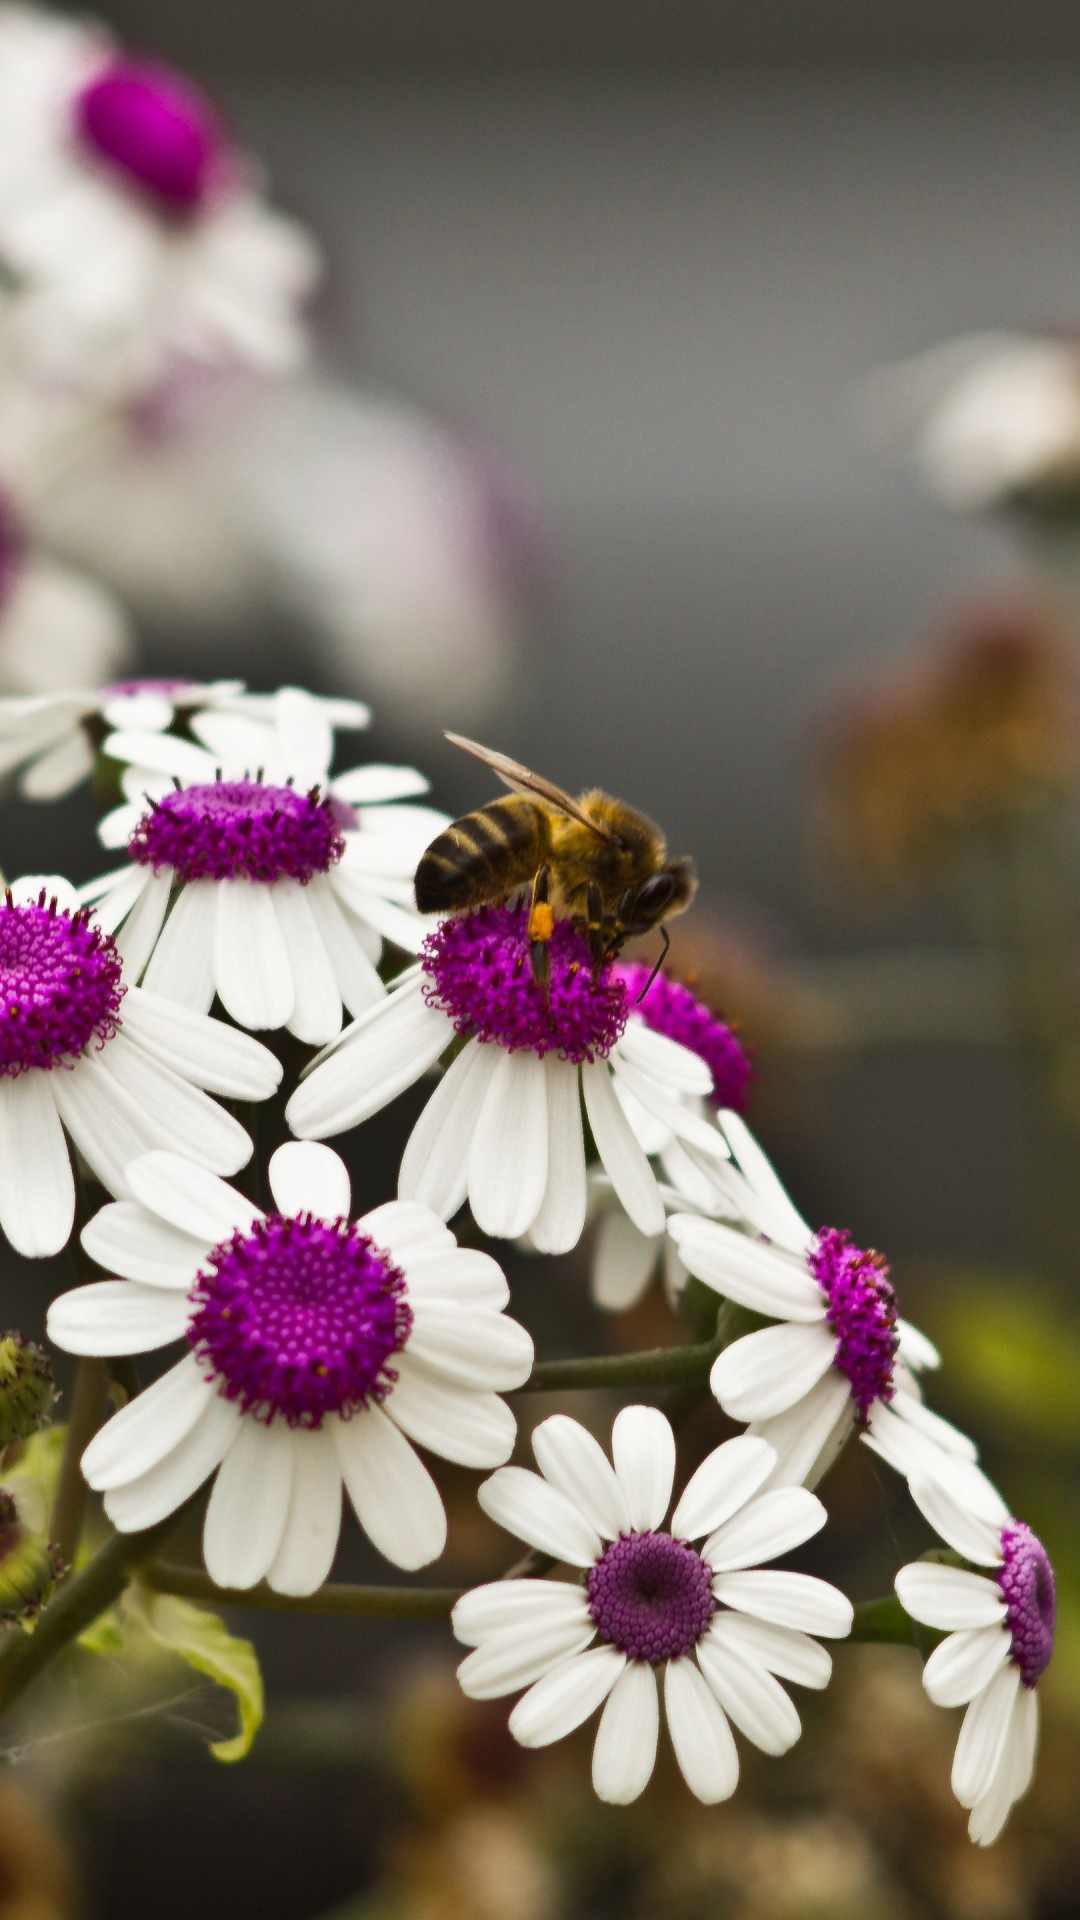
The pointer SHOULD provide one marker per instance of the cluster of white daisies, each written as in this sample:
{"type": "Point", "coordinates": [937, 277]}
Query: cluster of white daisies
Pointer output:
{"type": "Point", "coordinates": [139, 262]}
{"type": "Point", "coordinates": [261, 891]}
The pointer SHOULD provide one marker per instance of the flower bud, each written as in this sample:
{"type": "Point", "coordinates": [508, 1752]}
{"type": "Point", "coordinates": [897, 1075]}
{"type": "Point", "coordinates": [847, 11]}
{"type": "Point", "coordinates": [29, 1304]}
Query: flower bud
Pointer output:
{"type": "Point", "coordinates": [29, 1565]}
{"type": "Point", "coordinates": [27, 1392]}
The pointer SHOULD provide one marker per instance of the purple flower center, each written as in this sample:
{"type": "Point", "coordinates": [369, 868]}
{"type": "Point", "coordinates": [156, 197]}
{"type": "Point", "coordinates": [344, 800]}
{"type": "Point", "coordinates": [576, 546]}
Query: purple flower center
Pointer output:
{"type": "Point", "coordinates": [12, 545]}
{"type": "Point", "coordinates": [480, 974]}
{"type": "Point", "coordinates": [1026, 1579]}
{"type": "Point", "coordinates": [60, 986]}
{"type": "Point", "coordinates": [300, 1318]}
{"type": "Point", "coordinates": [671, 1009]}
{"type": "Point", "coordinates": [239, 829]}
{"type": "Point", "coordinates": [651, 1596]}
{"type": "Point", "coordinates": [860, 1307]}
{"type": "Point", "coordinates": [117, 688]}
{"type": "Point", "coordinates": [157, 128]}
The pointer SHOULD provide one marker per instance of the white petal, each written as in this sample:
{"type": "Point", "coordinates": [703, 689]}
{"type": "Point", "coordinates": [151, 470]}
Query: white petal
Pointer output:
{"type": "Point", "coordinates": [58, 771]}
{"type": "Point", "coordinates": [624, 1261]}
{"type": "Point", "coordinates": [159, 1418]}
{"type": "Point", "coordinates": [964, 1664]}
{"type": "Point", "coordinates": [983, 1736]}
{"type": "Point", "coordinates": [559, 1224]}
{"type": "Point", "coordinates": [664, 1059]}
{"type": "Point", "coordinates": [408, 1231]}
{"type": "Point", "coordinates": [394, 1496]}
{"type": "Point", "coordinates": [517, 1606]}
{"type": "Point", "coordinates": [767, 1372]}
{"type": "Point", "coordinates": [812, 1433]}
{"type": "Point", "coordinates": [682, 1116]}
{"type": "Point", "coordinates": [463, 1274]}
{"type": "Point", "coordinates": [544, 1518]}
{"type": "Point", "coordinates": [245, 1516]}
{"type": "Point", "coordinates": [138, 936]}
{"type": "Point", "coordinates": [117, 1316]}
{"type": "Point", "coordinates": [190, 1198]}
{"type": "Point", "coordinates": [769, 1525]}
{"type": "Point", "coordinates": [965, 1525]}
{"type": "Point", "coordinates": [624, 1752]}
{"type": "Point", "coordinates": [470, 1346]}
{"type": "Point", "coordinates": [116, 894]}
{"type": "Point", "coordinates": [37, 1187]}
{"type": "Point", "coordinates": [508, 1661]}
{"type": "Point", "coordinates": [107, 1125]}
{"type": "Point", "coordinates": [472, 1429]}
{"type": "Point", "coordinates": [169, 1111]}
{"type": "Point", "coordinates": [752, 1274]}
{"type": "Point", "coordinates": [949, 1597]}
{"type": "Point", "coordinates": [571, 1460]}
{"type": "Point", "coordinates": [252, 970]}
{"type": "Point", "coordinates": [794, 1656]}
{"type": "Point", "coordinates": [435, 1164]}
{"type": "Point", "coordinates": [370, 906]}
{"type": "Point", "coordinates": [28, 889]}
{"type": "Point", "coordinates": [384, 1052]}
{"type": "Point", "coordinates": [207, 1052]}
{"type": "Point", "coordinates": [508, 1153]}
{"type": "Point", "coordinates": [161, 753]}
{"type": "Point", "coordinates": [796, 1600]}
{"type": "Point", "coordinates": [307, 1178]}
{"type": "Point", "coordinates": [750, 1696]}
{"type": "Point", "coordinates": [181, 966]}
{"type": "Point", "coordinates": [939, 1434]}
{"type": "Point", "coordinates": [916, 1349]}
{"type": "Point", "coordinates": [703, 1743]}
{"type": "Point", "coordinates": [146, 711]}
{"type": "Point", "coordinates": [163, 1488]}
{"type": "Point", "coordinates": [305, 734]}
{"type": "Point", "coordinates": [566, 1696]}
{"type": "Point", "coordinates": [624, 1162]}
{"type": "Point", "coordinates": [1013, 1776]}
{"type": "Point", "coordinates": [366, 786]}
{"type": "Point", "coordinates": [316, 1010]}
{"type": "Point", "coordinates": [643, 1449]}
{"type": "Point", "coordinates": [357, 978]}
{"type": "Point", "coordinates": [787, 1227]}
{"type": "Point", "coordinates": [724, 1482]}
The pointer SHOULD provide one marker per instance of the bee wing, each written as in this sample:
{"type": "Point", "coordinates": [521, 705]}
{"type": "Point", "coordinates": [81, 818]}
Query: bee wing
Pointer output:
{"type": "Point", "coordinates": [520, 779]}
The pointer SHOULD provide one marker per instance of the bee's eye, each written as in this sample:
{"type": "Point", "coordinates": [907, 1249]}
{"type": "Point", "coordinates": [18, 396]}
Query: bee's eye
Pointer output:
{"type": "Point", "coordinates": [650, 900]}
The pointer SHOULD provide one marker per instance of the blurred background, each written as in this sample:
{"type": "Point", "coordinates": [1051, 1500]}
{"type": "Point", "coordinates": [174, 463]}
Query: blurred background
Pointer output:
{"type": "Point", "coordinates": [640, 262]}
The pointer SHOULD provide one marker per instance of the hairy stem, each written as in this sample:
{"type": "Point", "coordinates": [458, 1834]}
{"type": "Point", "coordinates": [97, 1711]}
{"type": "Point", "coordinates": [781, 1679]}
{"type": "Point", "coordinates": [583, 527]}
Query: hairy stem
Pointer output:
{"type": "Point", "coordinates": [884, 1621]}
{"type": "Point", "coordinates": [88, 1401]}
{"type": "Point", "coordinates": [398, 1603]}
{"type": "Point", "coordinates": [655, 1367]}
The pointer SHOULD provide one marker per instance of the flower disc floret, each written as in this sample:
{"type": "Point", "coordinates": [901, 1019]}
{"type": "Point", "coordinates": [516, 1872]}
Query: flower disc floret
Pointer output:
{"type": "Point", "coordinates": [300, 1318]}
{"type": "Point", "coordinates": [239, 829]}
{"type": "Point", "coordinates": [860, 1307]}
{"type": "Point", "coordinates": [670, 1008]}
{"type": "Point", "coordinates": [60, 986]}
{"type": "Point", "coordinates": [651, 1596]}
{"type": "Point", "coordinates": [154, 127]}
{"type": "Point", "coordinates": [1026, 1579]}
{"type": "Point", "coordinates": [479, 974]}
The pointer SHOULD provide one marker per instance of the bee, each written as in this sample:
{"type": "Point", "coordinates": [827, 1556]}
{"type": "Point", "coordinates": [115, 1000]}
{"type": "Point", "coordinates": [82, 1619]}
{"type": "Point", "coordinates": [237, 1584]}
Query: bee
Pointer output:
{"type": "Point", "coordinates": [594, 861]}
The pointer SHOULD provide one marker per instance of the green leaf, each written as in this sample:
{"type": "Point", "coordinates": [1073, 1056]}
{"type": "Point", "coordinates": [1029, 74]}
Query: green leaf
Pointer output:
{"type": "Point", "coordinates": [203, 1640]}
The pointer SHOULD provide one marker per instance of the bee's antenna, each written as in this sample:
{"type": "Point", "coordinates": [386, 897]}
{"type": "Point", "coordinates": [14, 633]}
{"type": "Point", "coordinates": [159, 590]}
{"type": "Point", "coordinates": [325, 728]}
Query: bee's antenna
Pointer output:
{"type": "Point", "coordinates": [666, 938]}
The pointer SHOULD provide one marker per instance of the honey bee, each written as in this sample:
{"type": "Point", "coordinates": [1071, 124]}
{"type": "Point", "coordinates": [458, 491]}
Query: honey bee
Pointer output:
{"type": "Point", "coordinates": [593, 861]}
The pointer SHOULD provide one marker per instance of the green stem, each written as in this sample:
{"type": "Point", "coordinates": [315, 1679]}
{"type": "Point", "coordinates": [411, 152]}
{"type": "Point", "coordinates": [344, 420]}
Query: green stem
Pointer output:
{"type": "Point", "coordinates": [88, 1401]}
{"type": "Point", "coordinates": [655, 1367]}
{"type": "Point", "coordinates": [76, 1606]}
{"type": "Point", "coordinates": [398, 1603]}
{"type": "Point", "coordinates": [884, 1621]}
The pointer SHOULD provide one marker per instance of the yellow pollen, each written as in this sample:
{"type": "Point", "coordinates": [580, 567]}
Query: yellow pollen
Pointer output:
{"type": "Point", "coordinates": [541, 921]}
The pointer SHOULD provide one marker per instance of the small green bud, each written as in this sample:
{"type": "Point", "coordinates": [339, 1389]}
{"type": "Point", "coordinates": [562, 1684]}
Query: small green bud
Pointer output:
{"type": "Point", "coordinates": [29, 1565]}
{"type": "Point", "coordinates": [27, 1391]}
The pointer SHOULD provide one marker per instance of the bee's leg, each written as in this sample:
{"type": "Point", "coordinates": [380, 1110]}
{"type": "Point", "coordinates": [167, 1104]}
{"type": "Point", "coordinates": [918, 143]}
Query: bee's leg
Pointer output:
{"type": "Point", "coordinates": [595, 930]}
{"type": "Point", "coordinates": [541, 928]}
{"type": "Point", "coordinates": [666, 938]}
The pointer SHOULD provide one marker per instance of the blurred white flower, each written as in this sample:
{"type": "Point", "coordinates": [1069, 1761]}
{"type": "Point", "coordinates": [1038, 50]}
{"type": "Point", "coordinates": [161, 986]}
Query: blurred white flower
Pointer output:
{"type": "Point", "coordinates": [985, 417]}
{"type": "Point", "coordinates": [133, 236]}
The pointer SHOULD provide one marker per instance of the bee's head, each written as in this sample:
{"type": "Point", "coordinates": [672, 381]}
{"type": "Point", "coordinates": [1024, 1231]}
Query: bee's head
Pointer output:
{"type": "Point", "coordinates": [658, 898]}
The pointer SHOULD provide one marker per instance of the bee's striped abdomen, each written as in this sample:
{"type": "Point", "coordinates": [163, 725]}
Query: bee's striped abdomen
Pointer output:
{"type": "Point", "coordinates": [483, 856]}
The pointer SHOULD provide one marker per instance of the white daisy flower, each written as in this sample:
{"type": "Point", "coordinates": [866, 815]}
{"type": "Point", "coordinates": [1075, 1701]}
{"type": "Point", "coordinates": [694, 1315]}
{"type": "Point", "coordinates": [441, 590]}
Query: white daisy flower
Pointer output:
{"type": "Point", "coordinates": [999, 1636]}
{"type": "Point", "coordinates": [503, 1128]}
{"type": "Point", "coordinates": [840, 1361]}
{"type": "Point", "coordinates": [57, 628]}
{"type": "Point", "coordinates": [117, 1069]}
{"type": "Point", "coordinates": [51, 736]}
{"type": "Point", "coordinates": [130, 225]}
{"type": "Point", "coordinates": [716, 1622]}
{"type": "Point", "coordinates": [319, 1348]}
{"type": "Point", "coordinates": [264, 880]}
